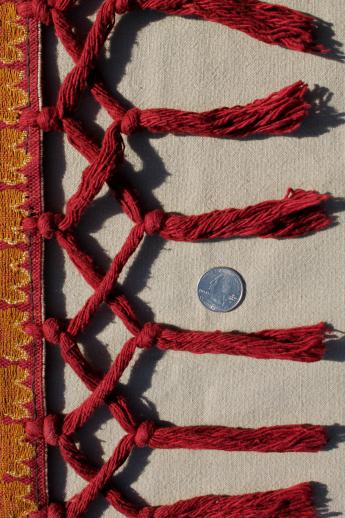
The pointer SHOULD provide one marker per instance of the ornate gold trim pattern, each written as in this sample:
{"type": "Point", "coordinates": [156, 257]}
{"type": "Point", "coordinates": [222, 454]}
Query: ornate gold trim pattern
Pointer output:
{"type": "Point", "coordinates": [16, 392]}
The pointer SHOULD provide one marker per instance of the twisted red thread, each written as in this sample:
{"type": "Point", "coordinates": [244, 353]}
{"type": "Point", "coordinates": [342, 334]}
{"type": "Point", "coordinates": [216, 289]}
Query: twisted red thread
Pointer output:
{"type": "Point", "coordinates": [79, 462]}
{"type": "Point", "coordinates": [73, 356]}
{"type": "Point", "coordinates": [280, 113]}
{"type": "Point", "coordinates": [85, 265]}
{"type": "Point", "coordinates": [298, 213]}
{"type": "Point", "coordinates": [76, 80]}
{"type": "Point", "coordinates": [79, 503]}
{"type": "Point", "coordinates": [97, 478]}
{"type": "Point", "coordinates": [293, 438]}
{"type": "Point", "coordinates": [216, 433]}
{"type": "Point", "coordinates": [74, 48]}
{"type": "Point", "coordinates": [273, 24]}
{"type": "Point", "coordinates": [292, 502]}
{"type": "Point", "coordinates": [107, 284]}
{"type": "Point", "coordinates": [305, 343]}
{"type": "Point", "coordinates": [109, 159]}
{"type": "Point", "coordinates": [78, 417]}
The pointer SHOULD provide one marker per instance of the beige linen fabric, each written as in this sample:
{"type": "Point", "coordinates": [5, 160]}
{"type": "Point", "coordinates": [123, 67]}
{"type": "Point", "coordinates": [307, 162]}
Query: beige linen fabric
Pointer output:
{"type": "Point", "coordinates": [156, 61]}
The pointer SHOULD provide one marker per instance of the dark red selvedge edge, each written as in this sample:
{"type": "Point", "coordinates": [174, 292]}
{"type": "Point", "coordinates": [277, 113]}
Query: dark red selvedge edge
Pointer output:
{"type": "Point", "coordinates": [35, 185]}
{"type": "Point", "coordinates": [34, 189]}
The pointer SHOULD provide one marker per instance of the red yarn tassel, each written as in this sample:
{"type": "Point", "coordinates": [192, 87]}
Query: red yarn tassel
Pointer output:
{"type": "Point", "coordinates": [280, 113]}
{"type": "Point", "coordinates": [304, 344]}
{"type": "Point", "coordinates": [293, 502]}
{"type": "Point", "coordinates": [298, 213]}
{"type": "Point", "coordinates": [273, 24]}
{"type": "Point", "coordinates": [287, 438]}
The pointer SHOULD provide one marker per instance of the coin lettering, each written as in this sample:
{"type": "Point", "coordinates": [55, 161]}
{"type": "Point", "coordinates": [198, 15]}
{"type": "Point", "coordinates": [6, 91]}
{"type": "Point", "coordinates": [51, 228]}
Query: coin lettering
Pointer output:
{"type": "Point", "coordinates": [221, 289]}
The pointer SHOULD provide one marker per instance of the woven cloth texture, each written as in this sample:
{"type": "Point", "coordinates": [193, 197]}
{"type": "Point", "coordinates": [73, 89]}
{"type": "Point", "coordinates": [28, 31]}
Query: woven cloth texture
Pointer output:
{"type": "Point", "coordinates": [155, 60]}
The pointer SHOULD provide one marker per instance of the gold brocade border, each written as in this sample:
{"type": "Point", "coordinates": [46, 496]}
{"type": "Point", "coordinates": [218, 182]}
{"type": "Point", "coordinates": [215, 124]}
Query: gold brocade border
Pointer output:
{"type": "Point", "coordinates": [18, 496]}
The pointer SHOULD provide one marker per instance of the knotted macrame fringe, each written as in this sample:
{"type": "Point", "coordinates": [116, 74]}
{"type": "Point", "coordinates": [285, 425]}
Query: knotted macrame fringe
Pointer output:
{"type": "Point", "coordinates": [298, 213]}
{"type": "Point", "coordinates": [283, 438]}
{"type": "Point", "coordinates": [280, 113]}
{"type": "Point", "coordinates": [55, 430]}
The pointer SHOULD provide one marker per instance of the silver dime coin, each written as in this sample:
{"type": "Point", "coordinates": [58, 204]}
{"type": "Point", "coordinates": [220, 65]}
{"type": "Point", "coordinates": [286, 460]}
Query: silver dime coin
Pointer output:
{"type": "Point", "coordinates": [221, 289]}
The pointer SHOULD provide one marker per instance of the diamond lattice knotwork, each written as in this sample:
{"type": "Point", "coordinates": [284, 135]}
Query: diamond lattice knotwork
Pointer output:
{"type": "Point", "coordinates": [298, 213]}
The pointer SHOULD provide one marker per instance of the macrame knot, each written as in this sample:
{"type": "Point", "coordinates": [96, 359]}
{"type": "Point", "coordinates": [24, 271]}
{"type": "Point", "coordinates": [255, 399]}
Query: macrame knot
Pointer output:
{"type": "Point", "coordinates": [144, 433]}
{"type": "Point", "coordinates": [130, 121]}
{"type": "Point", "coordinates": [38, 9]}
{"type": "Point", "coordinates": [148, 335]}
{"type": "Point", "coordinates": [154, 221]}
{"type": "Point", "coordinates": [48, 119]}
{"type": "Point", "coordinates": [52, 330]}
{"type": "Point", "coordinates": [46, 224]}
{"type": "Point", "coordinates": [50, 430]}
{"type": "Point", "coordinates": [44, 428]}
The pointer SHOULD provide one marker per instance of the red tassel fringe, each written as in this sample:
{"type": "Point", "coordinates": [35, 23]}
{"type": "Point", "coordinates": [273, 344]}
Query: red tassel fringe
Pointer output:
{"type": "Point", "coordinates": [304, 344]}
{"type": "Point", "coordinates": [293, 502]}
{"type": "Point", "coordinates": [280, 113]}
{"type": "Point", "coordinates": [287, 438]}
{"type": "Point", "coordinates": [298, 213]}
{"type": "Point", "coordinates": [271, 23]}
